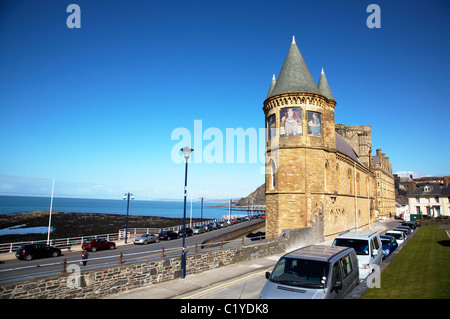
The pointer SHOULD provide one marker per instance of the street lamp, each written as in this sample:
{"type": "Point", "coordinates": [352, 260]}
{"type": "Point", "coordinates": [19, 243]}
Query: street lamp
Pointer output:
{"type": "Point", "coordinates": [202, 200]}
{"type": "Point", "coordinates": [187, 153]}
{"type": "Point", "coordinates": [127, 196]}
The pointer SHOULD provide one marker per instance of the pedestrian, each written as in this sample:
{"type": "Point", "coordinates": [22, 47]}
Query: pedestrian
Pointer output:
{"type": "Point", "coordinates": [84, 257]}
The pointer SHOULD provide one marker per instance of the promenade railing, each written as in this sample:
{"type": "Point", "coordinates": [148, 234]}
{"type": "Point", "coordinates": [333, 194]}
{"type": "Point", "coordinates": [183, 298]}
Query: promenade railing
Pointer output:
{"type": "Point", "coordinates": [120, 235]}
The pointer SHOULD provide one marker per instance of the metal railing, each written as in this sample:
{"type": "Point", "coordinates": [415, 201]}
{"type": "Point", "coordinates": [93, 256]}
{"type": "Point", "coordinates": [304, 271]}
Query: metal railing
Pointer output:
{"type": "Point", "coordinates": [60, 242]}
{"type": "Point", "coordinates": [120, 235]}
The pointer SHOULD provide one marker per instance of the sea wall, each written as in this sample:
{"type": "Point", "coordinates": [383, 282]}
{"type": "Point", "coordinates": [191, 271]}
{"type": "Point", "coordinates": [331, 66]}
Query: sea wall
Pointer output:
{"type": "Point", "coordinates": [103, 282]}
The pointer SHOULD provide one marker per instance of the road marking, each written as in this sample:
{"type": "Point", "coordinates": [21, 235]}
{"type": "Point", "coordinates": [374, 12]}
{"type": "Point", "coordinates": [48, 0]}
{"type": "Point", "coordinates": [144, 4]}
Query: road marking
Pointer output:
{"type": "Point", "coordinates": [221, 286]}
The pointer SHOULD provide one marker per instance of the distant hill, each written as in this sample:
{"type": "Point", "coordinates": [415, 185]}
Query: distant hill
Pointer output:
{"type": "Point", "coordinates": [258, 196]}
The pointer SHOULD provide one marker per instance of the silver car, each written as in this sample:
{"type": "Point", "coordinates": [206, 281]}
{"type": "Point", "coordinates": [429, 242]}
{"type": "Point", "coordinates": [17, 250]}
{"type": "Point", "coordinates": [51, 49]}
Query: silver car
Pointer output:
{"type": "Point", "coordinates": [145, 239]}
{"type": "Point", "coordinates": [199, 229]}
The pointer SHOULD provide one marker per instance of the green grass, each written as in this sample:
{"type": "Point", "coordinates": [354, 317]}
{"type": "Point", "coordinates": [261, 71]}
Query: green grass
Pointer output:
{"type": "Point", "coordinates": [421, 270]}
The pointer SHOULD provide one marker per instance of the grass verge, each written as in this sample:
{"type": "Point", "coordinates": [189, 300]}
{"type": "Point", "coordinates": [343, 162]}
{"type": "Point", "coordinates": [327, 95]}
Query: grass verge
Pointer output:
{"type": "Point", "coordinates": [421, 270]}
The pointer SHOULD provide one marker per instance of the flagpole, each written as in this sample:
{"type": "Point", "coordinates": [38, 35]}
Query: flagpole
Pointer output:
{"type": "Point", "coordinates": [50, 217]}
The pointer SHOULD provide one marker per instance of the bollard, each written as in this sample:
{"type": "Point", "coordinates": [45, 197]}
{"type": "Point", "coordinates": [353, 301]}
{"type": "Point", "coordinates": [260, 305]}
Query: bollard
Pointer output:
{"type": "Point", "coordinates": [221, 245]}
{"type": "Point", "coordinates": [162, 253]}
{"type": "Point", "coordinates": [64, 270]}
{"type": "Point", "coordinates": [121, 258]}
{"type": "Point", "coordinates": [242, 241]}
{"type": "Point", "coordinates": [273, 236]}
{"type": "Point", "coordinates": [196, 250]}
{"type": "Point", "coordinates": [260, 238]}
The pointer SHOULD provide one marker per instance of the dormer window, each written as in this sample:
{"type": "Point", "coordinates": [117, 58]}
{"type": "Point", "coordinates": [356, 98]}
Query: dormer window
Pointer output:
{"type": "Point", "coordinates": [427, 189]}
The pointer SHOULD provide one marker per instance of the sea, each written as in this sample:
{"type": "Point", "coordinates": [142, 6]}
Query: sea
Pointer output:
{"type": "Point", "coordinates": [162, 208]}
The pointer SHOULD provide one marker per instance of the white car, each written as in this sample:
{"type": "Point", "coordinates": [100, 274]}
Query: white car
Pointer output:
{"type": "Point", "coordinates": [398, 235]}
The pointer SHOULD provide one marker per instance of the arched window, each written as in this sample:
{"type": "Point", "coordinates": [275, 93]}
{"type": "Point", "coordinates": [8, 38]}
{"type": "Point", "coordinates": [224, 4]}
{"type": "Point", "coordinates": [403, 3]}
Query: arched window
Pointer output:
{"type": "Point", "coordinates": [349, 179]}
{"type": "Point", "coordinates": [338, 177]}
{"type": "Point", "coordinates": [273, 174]}
{"type": "Point", "coordinates": [326, 174]}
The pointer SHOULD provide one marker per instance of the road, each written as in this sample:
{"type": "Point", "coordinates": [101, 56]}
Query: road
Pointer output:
{"type": "Point", "coordinates": [18, 270]}
{"type": "Point", "coordinates": [247, 286]}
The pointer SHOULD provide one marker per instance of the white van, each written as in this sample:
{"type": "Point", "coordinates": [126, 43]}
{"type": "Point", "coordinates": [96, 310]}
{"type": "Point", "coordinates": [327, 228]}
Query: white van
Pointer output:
{"type": "Point", "coordinates": [398, 235]}
{"type": "Point", "coordinates": [313, 272]}
{"type": "Point", "coordinates": [368, 247]}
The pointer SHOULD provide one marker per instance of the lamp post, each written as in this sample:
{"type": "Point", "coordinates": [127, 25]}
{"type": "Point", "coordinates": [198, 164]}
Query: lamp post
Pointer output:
{"type": "Point", "coordinates": [187, 153]}
{"type": "Point", "coordinates": [202, 200]}
{"type": "Point", "coordinates": [127, 196]}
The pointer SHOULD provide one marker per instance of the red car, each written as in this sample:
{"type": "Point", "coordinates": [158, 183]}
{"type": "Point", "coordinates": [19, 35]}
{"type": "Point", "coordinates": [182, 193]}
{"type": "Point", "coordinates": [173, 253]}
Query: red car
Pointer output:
{"type": "Point", "coordinates": [95, 244]}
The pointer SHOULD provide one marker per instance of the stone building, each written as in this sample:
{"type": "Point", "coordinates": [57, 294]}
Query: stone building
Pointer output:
{"type": "Point", "coordinates": [319, 172]}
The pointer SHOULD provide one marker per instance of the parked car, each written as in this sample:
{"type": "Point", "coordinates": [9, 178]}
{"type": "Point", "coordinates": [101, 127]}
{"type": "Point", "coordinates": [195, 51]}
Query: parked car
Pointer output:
{"type": "Point", "coordinates": [145, 239]}
{"type": "Point", "coordinates": [389, 244]}
{"type": "Point", "coordinates": [212, 226]}
{"type": "Point", "coordinates": [399, 236]}
{"type": "Point", "coordinates": [36, 250]}
{"type": "Point", "coordinates": [189, 232]}
{"type": "Point", "coordinates": [95, 244]}
{"type": "Point", "coordinates": [368, 249]}
{"type": "Point", "coordinates": [222, 224]}
{"type": "Point", "coordinates": [411, 225]}
{"type": "Point", "coordinates": [405, 229]}
{"type": "Point", "coordinates": [168, 235]}
{"type": "Point", "coordinates": [313, 272]}
{"type": "Point", "coordinates": [199, 229]}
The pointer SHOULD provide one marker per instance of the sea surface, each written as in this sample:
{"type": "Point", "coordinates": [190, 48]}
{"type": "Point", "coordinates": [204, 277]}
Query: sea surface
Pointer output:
{"type": "Point", "coordinates": [174, 209]}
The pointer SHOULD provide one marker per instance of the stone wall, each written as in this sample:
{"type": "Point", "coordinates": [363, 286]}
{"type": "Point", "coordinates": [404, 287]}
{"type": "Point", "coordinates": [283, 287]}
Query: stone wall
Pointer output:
{"type": "Point", "coordinates": [103, 282]}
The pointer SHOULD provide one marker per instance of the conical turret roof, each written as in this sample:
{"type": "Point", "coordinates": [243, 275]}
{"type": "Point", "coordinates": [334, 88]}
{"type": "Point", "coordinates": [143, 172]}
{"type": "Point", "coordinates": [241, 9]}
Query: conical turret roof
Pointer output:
{"type": "Point", "coordinates": [272, 85]}
{"type": "Point", "coordinates": [294, 75]}
{"type": "Point", "coordinates": [324, 87]}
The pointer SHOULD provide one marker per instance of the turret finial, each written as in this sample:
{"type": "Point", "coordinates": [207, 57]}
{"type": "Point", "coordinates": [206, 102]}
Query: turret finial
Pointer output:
{"type": "Point", "coordinates": [293, 37]}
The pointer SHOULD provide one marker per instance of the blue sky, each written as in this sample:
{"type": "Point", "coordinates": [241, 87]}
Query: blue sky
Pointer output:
{"type": "Point", "coordinates": [95, 107]}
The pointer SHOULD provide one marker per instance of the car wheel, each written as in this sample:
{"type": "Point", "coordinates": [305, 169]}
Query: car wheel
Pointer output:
{"type": "Point", "coordinates": [93, 249]}
{"type": "Point", "coordinates": [55, 254]}
{"type": "Point", "coordinates": [28, 257]}
{"type": "Point", "coordinates": [112, 247]}
{"type": "Point", "coordinates": [168, 237]}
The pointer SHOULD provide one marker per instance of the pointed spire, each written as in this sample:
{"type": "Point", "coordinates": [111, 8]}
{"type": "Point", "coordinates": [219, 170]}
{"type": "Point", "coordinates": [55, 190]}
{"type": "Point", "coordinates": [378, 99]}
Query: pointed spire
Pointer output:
{"type": "Point", "coordinates": [293, 37]}
{"type": "Point", "coordinates": [324, 87]}
{"type": "Point", "coordinates": [294, 75]}
{"type": "Point", "coordinates": [272, 85]}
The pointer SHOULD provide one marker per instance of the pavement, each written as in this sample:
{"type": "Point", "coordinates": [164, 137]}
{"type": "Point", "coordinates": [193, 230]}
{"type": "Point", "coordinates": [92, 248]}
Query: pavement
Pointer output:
{"type": "Point", "coordinates": [179, 287]}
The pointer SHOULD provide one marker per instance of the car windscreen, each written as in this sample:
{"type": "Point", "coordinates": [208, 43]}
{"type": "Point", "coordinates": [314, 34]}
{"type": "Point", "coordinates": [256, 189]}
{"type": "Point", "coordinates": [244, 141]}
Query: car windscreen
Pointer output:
{"type": "Point", "coordinates": [385, 241]}
{"type": "Point", "coordinates": [300, 272]}
{"type": "Point", "coordinates": [396, 236]}
{"type": "Point", "coordinates": [361, 246]}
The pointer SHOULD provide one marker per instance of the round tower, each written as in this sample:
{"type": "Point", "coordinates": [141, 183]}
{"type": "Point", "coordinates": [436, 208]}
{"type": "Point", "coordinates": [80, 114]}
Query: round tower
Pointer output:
{"type": "Point", "coordinates": [300, 145]}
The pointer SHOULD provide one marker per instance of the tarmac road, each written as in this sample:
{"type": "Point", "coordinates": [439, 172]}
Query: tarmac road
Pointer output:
{"type": "Point", "coordinates": [14, 270]}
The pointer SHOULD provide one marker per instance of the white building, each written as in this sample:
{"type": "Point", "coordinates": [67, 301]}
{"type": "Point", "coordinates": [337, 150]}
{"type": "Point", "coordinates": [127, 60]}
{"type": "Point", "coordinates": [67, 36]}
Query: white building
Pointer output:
{"type": "Point", "coordinates": [432, 200]}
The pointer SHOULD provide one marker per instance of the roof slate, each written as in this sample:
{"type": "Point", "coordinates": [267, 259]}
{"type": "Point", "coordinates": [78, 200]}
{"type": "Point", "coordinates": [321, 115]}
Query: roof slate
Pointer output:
{"type": "Point", "coordinates": [324, 87]}
{"type": "Point", "coordinates": [294, 75]}
{"type": "Point", "coordinates": [435, 189]}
